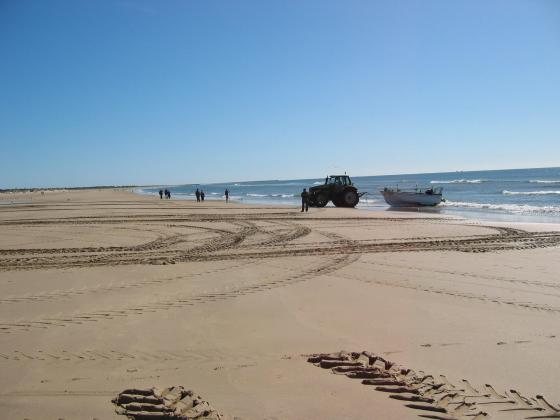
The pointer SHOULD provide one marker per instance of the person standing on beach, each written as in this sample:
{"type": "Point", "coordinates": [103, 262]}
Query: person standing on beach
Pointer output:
{"type": "Point", "coordinates": [304, 200]}
{"type": "Point", "coordinates": [201, 195]}
{"type": "Point", "coordinates": [168, 195]}
{"type": "Point", "coordinates": [160, 194]}
{"type": "Point", "coordinates": [197, 193]}
{"type": "Point", "coordinates": [227, 195]}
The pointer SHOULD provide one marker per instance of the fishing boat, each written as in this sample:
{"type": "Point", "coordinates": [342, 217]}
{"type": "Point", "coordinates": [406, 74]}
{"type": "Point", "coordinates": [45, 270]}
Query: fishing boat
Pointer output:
{"type": "Point", "coordinates": [412, 198]}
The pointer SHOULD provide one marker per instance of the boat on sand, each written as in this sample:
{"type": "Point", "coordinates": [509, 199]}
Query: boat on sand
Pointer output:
{"type": "Point", "coordinates": [412, 198]}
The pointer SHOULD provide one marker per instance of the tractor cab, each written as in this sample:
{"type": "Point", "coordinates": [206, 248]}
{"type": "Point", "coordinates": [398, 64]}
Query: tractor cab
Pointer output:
{"type": "Point", "coordinates": [342, 180]}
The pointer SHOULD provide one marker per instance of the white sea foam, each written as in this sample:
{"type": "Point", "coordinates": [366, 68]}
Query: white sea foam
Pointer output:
{"type": "Point", "coordinates": [271, 195]}
{"type": "Point", "coordinates": [264, 184]}
{"type": "Point", "coordinates": [282, 195]}
{"type": "Point", "coordinates": [368, 201]}
{"type": "Point", "coordinates": [506, 192]}
{"type": "Point", "coordinates": [511, 208]}
{"type": "Point", "coordinates": [545, 181]}
{"type": "Point", "coordinates": [459, 181]}
{"type": "Point", "coordinates": [318, 183]}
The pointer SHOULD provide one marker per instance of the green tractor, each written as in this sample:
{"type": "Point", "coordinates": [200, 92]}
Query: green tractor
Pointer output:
{"type": "Point", "coordinates": [338, 189]}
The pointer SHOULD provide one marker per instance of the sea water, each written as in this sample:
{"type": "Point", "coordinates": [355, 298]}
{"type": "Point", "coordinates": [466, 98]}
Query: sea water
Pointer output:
{"type": "Point", "coordinates": [508, 195]}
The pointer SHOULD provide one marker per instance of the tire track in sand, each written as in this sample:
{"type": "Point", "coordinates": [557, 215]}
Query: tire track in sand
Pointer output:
{"type": "Point", "coordinates": [458, 294]}
{"type": "Point", "coordinates": [506, 240]}
{"type": "Point", "coordinates": [177, 301]}
{"type": "Point", "coordinates": [69, 293]}
{"type": "Point", "coordinates": [431, 396]}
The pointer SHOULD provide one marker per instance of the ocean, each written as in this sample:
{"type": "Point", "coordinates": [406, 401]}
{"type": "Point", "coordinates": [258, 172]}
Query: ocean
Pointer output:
{"type": "Point", "coordinates": [526, 195]}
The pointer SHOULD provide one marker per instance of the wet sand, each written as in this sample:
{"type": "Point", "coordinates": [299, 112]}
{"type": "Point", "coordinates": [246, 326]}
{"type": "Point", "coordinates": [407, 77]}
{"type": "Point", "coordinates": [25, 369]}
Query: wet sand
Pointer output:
{"type": "Point", "coordinates": [104, 290]}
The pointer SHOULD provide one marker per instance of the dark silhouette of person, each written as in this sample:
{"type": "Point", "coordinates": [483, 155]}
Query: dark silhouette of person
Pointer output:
{"type": "Point", "coordinates": [201, 195]}
{"type": "Point", "coordinates": [160, 194]}
{"type": "Point", "coordinates": [227, 195]}
{"type": "Point", "coordinates": [304, 200]}
{"type": "Point", "coordinates": [168, 195]}
{"type": "Point", "coordinates": [197, 193]}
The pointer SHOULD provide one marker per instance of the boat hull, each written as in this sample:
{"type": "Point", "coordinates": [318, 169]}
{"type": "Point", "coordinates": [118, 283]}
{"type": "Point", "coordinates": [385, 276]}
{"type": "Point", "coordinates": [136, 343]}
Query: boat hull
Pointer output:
{"type": "Point", "coordinates": [410, 199]}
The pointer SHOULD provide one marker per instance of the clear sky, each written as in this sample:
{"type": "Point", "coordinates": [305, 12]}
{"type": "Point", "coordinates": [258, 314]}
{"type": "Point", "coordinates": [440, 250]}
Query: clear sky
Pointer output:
{"type": "Point", "coordinates": [149, 92]}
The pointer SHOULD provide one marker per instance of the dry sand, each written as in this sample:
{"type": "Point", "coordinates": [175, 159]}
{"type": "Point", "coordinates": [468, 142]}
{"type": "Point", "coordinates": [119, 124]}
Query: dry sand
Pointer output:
{"type": "Point", "coordinates": [104, 290]}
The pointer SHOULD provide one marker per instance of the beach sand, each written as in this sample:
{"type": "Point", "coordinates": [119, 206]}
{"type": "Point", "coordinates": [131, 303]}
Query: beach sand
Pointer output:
{"type": "Point", "coordinates": [105, 290]}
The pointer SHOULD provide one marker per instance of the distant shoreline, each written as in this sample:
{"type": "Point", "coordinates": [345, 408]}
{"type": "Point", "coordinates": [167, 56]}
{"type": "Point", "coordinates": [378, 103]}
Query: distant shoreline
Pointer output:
{"type": "Point", "coordinates": [100, 187]}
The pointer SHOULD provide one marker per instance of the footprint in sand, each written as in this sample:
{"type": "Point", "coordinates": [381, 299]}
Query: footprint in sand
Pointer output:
{"type": "Point", "coordinates": [174, 402]}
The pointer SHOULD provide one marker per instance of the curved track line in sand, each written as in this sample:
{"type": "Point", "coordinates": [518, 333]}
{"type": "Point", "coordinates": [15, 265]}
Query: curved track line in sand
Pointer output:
{"type": "Point", "coordinates": [162, 242]}
{"type": "Point", "coordinates": [69, 293]}
{"type": "Point", "coordinates": [434, 397]}
{"type": "Point", "coordinates": [107, 355]}
{"type": "Point", "coordinates": [432, 270]}
{"type": "Point", "coordinates": [178, 301]}
{"type": "Point", "coordinates": [278, 245]}
{"type": "Point", "coordinates": [154, 252]}
{"type": "Point", "coordinates": [457, 294]}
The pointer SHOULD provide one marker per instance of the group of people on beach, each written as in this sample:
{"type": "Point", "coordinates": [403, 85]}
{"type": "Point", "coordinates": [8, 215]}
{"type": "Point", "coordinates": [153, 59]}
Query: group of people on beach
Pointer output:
{"type": "Point", "coordinates": [199, 195]}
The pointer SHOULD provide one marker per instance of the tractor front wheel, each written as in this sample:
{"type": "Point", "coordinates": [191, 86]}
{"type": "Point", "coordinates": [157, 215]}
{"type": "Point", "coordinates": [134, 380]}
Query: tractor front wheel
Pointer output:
{"type": "Point", "coordinates": [321, 200]}
{"type": "Point", "coordinates": [349, 198]}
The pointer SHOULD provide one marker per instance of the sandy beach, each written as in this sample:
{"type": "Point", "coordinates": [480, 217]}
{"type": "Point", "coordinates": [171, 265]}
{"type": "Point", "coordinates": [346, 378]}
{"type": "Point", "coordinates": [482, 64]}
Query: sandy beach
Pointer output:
{"type": "Point", "coordinates": [104, 291]}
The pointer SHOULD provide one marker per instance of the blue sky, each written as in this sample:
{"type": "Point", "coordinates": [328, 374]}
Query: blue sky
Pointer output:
{"type": "Point", "coordinates": [149, 92]}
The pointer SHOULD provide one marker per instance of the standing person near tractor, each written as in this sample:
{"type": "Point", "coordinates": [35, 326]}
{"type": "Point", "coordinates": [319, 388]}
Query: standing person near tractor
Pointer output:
{"type": "Point", "coordinates": [227, 195]}
{"type": "Point", "coordinates": [304, 200]}
{"type": "Point", "coordinates": [197, 193]}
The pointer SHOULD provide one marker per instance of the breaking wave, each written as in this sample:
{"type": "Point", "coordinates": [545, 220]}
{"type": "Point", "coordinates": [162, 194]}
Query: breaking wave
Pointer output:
{"type": "Point", "coordinates": [271, 195]}
{"type": "Point", "coordinates": [369, 201]}
{"type": "Point", "coordinates": [506, 192]}
{"type": "Point", "coordinates": [545, 181]}
{"type": "Point", "coordinates": [459, 181]}
{"type": "Point", "coordinates": [511, 208]}
{"type": "Point", "coordinates": [275, 184]}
